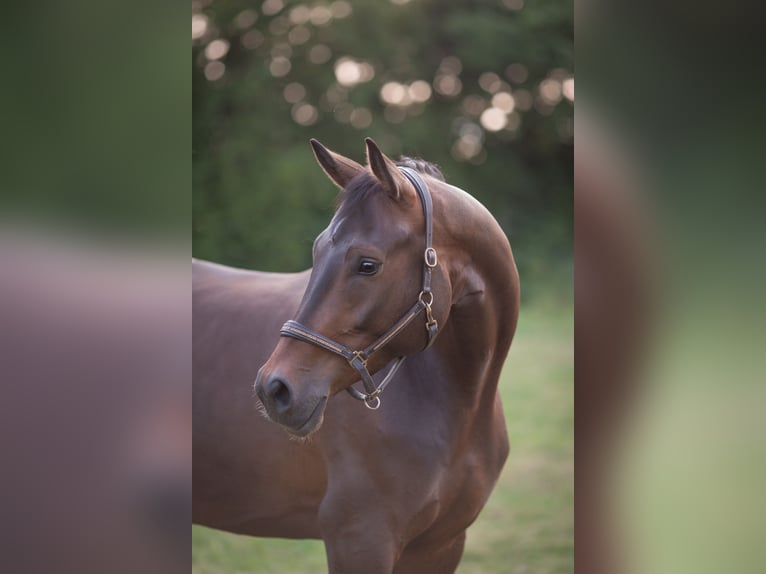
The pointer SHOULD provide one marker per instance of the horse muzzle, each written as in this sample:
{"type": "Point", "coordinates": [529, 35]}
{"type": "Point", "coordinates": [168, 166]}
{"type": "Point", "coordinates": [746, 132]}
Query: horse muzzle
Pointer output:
{"type": "Point", "coordinates": [299, 413]}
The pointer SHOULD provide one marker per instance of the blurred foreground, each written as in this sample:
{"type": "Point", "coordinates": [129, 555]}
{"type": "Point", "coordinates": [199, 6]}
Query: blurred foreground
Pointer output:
{"type": "Point", "coordinates": [95, 303]}
{"type": "Point", "coordinates": [670, 430]}
{"type": "Point", "coordinates": [95, 416]}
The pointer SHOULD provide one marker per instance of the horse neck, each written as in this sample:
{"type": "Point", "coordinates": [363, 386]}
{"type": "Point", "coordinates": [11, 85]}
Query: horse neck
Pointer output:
{"type": "Point", "coordinates": [485, 297]}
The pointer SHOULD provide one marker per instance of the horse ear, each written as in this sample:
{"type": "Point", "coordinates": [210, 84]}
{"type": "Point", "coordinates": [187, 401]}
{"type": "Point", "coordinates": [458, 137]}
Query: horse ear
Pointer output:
{"type": "Point", "coordinates": [338, 168]}
{"type": "Point", "coordinates": [385, 170]}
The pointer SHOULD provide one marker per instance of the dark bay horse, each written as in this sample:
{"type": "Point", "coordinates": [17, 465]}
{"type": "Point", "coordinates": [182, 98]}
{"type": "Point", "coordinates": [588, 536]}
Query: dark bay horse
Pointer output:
{"type": "Point", "coordinates": [390, 490]}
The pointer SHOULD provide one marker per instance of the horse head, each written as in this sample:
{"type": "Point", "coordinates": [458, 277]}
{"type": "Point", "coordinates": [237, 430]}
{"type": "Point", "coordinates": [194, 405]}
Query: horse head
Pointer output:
{"type": "Point", "coordinates": [376, 281]}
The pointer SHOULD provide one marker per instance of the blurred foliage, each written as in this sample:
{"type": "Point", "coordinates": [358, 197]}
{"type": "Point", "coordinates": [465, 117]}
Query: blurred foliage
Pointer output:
{"type": "Point", "coordinates": [94, 113]}
{"type": "Point", "coordinates": [483, 88]}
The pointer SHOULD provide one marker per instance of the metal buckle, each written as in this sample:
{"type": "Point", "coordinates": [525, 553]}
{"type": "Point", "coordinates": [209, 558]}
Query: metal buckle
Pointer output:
{"type": "Point", "coordinates": [358, 355]}
{"type": "Point", "coordinates": [430, 321]}
{"type": "Point", "coordinates": [429, 303]}
{"type": "Point", "coordinates": [430, 257]}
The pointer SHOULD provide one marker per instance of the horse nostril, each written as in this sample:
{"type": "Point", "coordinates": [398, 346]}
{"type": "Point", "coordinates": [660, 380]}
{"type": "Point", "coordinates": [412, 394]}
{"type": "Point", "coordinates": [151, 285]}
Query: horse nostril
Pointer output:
{"type": "Point", "coordinates": [280, 395]}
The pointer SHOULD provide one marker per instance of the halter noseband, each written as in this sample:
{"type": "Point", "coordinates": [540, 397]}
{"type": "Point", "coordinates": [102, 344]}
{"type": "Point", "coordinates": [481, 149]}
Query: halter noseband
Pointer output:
{"type": "Point", "coordinates": [358, 359]}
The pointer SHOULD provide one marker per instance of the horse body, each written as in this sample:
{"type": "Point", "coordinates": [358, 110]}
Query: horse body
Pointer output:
{"type": "Point", "coordinates": [237, 315]}
{"type": "Point", "coordinates": [389, 491]}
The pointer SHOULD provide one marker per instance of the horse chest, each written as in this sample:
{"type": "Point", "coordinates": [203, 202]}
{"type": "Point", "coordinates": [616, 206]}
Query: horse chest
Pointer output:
{"type": "Point", "coordinates": [414, 475]}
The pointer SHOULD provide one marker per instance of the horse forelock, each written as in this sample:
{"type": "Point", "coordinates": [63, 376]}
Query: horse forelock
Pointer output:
{"type": "Point", "coordinates": [357, 191]}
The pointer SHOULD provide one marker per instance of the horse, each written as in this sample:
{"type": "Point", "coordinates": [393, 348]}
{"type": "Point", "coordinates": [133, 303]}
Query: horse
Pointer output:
{"type": "Point", "coordinates": [389, 477]}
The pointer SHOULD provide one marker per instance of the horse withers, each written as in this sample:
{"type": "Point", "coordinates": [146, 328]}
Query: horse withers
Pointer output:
{"type": "Point", "coordinates": [414, 292]}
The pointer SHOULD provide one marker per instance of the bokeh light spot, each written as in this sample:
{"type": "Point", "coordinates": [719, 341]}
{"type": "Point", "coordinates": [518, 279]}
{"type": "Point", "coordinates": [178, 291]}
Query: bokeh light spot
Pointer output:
{"type": "Point", "coordinates": [216, 49]}
{"type": "Point", "coordinates": [300, 14]}
{"type": "Point", "coordinates": [490, 82]}
{"type": "Point", "coordinates": [199, 26]}
{"type": "Point", "coordinates": [245, 19]}
{"type": "Point", "coordinates": [294, 92]}
{"type": "Point", "coordinates": [280, 66]}
{"type": "Point", "coordinates": [320, 15]}
{"type": "Point", "coordinates": [214, 70]}
{"type": "Point", "coordinates": [299, 35]}
{"type": "Point", "coordinates": [393, 93]}
{"type": "Point", "coordinates": [361, 118]}
{"type": "Point", "coordinates": [504, 101]}
{"type": "Point", "coordinates": [305, 114]}
{"type": "Point", "coordinates": [466, 147]}
{"type": "Point", "coordinates": [517, 73]}
{"type": "Point", "coordinates": [271, 7]}
{"type": "Point", "coordinates": [550, 91]}
{"type": "Point", "coordinates": [567, 88]}
{"type": "Point", "coordinates": [448, 85]}
{"type": "Point", "coordinates": [419, 91]}
{"type": "Point", "coordinates": [320, 54]}
{"type": "Point", "coordinates": [349, 72]}
{"type": "Point", "coordinates": [468, 128]}
{"type": "Point", "coordinates": [336, 94]}
{"type": "Point", "coordinates": [340, 9]}
{"type": "Point", "coordinates": [451, 65]}
{"type": "Point", "coordinates": [543, 107]}
{"type": "Point", "coordinates": [493, 119]}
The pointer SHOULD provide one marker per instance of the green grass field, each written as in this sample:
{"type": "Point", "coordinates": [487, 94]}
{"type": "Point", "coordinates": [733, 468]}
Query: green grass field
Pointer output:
{"type": "Point", "coordinates": [528, 526]}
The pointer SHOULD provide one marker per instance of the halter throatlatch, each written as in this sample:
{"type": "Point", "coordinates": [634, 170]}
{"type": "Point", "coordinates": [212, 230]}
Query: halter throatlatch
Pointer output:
{"type": "Point", "coordinates": [358, 359]}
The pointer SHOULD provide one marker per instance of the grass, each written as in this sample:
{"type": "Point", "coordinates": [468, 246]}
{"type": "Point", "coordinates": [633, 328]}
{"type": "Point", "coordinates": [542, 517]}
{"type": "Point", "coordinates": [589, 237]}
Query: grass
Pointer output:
{"type": "Point", "coordinates": [527, 526]}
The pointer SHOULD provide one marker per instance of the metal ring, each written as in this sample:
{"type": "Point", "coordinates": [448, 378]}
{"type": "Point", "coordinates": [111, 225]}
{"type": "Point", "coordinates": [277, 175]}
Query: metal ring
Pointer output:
{"type": "Point", "coordinates": [376, 403]}
{"type": "Point", "coordinates": [422, 294]}
{"type": "Point", "coordinates": [430, 257]}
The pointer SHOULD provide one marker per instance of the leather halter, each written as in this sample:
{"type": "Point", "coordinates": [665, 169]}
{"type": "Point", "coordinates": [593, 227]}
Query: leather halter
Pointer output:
{"type": "Point", "coordinates": [358, 359]}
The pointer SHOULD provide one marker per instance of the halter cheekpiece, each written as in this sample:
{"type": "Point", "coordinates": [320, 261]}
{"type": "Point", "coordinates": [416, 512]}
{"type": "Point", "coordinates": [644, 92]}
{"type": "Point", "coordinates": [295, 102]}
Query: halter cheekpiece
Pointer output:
{"type": "Point", "coordinates": [358, 359]}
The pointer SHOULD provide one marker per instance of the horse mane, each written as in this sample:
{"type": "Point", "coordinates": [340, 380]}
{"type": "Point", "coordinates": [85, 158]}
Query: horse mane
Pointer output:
{"type": "Point", "coordinates": [422, 166]}
{"type": "Point", "coordinates": [363, 185]}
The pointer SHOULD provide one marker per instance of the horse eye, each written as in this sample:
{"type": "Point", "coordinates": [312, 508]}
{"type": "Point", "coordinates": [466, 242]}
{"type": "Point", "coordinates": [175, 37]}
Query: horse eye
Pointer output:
{"type": "Point", "coordinates": [368, 267]}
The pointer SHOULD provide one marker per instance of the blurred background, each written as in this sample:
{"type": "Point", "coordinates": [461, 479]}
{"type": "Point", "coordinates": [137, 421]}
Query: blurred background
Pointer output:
{"type": "Point", "coordinates": [483, 88]}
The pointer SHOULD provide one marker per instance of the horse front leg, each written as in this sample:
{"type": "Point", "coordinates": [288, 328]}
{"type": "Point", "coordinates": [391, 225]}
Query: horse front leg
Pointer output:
{"type": "Point", "coordinates": [358, 536]}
